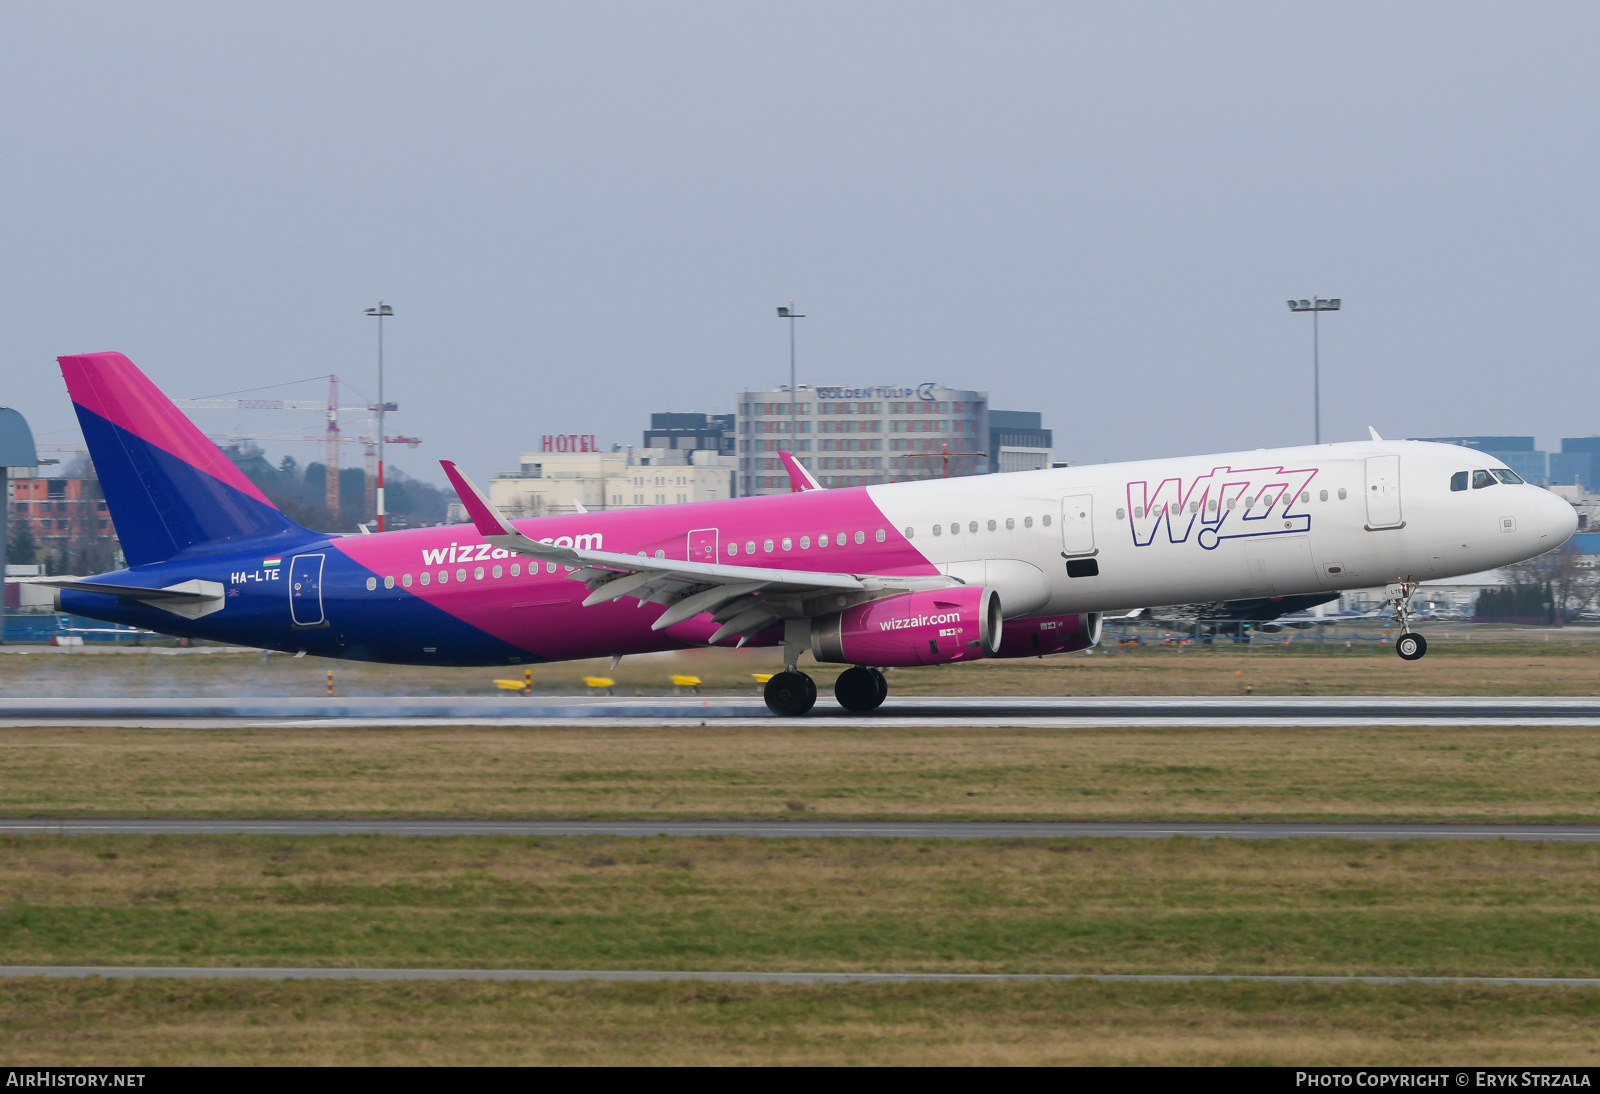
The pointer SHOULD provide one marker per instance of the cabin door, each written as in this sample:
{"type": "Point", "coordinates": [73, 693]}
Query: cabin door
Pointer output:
{"type": "Point", "coordinates": [1077, 525]}
{"type": "Point", "coordinates": [305, 590]}
{"type": "Point", "coordinates": [1383, 492]}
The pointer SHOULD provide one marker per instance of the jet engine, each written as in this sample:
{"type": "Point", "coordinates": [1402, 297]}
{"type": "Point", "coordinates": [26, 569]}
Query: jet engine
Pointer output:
{"type": "Point", "coordinates": [922, 628]}
{"type": "Point", "coordinates": [1049, 634]}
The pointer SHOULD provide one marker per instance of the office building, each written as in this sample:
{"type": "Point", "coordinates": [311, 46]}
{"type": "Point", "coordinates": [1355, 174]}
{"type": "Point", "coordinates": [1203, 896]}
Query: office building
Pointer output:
{"type": "Point", "coordinates": [857, 436]}
{"type": "Point", "coordinates": [68, 520]}
{"type": "Point", "coordinates": [1018, 441]}
{"type": "Point", "coordinates": [1578, 463]}
{"type": "Point", "coordinates": [692, 432]}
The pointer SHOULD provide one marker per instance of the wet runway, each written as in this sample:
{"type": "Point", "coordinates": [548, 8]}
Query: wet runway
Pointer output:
{"type": "Point", "coordinates": [980, 830]}
{"type": "Point", "coordinates": [688, 710]}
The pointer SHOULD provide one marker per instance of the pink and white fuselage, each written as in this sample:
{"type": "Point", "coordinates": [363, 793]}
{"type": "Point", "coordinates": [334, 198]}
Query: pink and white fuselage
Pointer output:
{"type": "Point", "coordinates": [1051, 545]}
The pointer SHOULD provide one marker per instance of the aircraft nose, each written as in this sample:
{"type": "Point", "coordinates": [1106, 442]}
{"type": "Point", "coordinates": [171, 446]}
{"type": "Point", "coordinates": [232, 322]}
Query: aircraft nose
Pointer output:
{"type": "Point", "coordinates": [1556, 520]}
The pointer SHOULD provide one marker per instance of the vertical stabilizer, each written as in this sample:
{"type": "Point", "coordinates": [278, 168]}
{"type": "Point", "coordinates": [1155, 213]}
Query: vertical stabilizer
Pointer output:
{"type": "Point", "coordinates": [167, 486]}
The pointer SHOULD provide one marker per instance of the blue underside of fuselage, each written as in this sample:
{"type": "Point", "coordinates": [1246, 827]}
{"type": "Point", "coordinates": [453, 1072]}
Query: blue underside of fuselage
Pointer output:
{"type": "Point", "coordinates": [390, 625]}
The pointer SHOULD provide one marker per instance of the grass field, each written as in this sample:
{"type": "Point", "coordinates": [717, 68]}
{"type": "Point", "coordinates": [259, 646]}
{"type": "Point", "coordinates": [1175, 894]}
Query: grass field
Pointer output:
{"type": "Point", "coordinates": [126, 1024]}
{"type": "Point", "coordinates": [813, 771]}
{"type": "Point", "coordinates": [1458, 663]}
{"type": "Point", "coordinates": [1167, 906]}
{"type": "Point", "coordinates": [1417, 907]}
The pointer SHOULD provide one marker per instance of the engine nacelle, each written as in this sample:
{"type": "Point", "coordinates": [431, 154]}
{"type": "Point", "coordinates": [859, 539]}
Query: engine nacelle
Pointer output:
{"type": "Point", "coordinates": [1049, 634]}
{"type": "Point", "coordinates": [926, 628]}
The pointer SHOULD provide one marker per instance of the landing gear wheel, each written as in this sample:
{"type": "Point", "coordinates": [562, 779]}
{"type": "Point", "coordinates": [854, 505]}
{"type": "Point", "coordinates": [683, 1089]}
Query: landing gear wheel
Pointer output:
{"type": "Point", "coordinates": [1411, 647]}
{"type": "Point", "coordinates": [860, 689]}
{"type": "Point", "coordinates": [789, 694]}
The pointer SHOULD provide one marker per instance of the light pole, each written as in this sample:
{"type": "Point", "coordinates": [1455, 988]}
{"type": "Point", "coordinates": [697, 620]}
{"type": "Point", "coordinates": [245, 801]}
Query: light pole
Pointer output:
{"type": "Point", "coordinates": [794, 428]}
{"type": "Point", "coordinates": [1314, 305]}
{"type": "Point", "coordinates": [379, 313]}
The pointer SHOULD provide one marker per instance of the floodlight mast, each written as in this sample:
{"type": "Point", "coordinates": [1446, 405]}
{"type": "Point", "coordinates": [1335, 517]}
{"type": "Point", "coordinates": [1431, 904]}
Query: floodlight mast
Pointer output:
{"type": "Point", "coordinates": [380, 313]}
{"type": "Point", "coordinates": [1314, 305]}
{"type": "Point", "coordinates": [794, 427]}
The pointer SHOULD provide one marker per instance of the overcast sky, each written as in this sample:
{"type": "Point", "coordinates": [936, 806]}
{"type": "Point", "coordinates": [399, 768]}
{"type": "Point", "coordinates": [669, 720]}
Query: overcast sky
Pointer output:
{"type": "Point", "coordinates": [582, 213]}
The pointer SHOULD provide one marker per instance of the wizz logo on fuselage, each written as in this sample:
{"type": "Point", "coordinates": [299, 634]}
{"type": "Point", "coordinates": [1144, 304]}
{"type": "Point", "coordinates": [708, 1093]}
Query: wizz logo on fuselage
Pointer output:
{"type": "Point", "coordinates": [1226, 504]}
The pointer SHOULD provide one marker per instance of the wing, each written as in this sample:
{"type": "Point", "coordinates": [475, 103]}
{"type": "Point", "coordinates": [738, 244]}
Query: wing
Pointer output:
{"type": "Point", "coordinates": [744, 599]}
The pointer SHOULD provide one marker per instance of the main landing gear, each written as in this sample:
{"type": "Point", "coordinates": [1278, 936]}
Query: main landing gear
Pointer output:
{"type": "Point", "coordinates": [790, 694]}
{"type": "Point", "coordinates": [1410, 645]}
{"type": "Point", "coordinates": [859, 689]}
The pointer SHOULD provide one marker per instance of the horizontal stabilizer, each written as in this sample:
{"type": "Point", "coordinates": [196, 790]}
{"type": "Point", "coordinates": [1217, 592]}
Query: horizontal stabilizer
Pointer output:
{"type": "Point", "coordinates": [190, 599]}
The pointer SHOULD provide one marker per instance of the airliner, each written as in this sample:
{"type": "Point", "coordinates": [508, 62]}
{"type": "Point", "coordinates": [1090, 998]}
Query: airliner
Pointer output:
{"type": "Point", "coordinates": [917, 573]}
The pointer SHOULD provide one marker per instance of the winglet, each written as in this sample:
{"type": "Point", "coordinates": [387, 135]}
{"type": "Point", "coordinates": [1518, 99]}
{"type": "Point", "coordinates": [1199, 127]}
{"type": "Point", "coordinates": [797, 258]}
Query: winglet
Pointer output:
{"type": "Point", "coordinates": [800, 480]}
{"type": "Point", "coordinates": [1374, 433]}
{"type": "Point", "coordinates": [485, 517]}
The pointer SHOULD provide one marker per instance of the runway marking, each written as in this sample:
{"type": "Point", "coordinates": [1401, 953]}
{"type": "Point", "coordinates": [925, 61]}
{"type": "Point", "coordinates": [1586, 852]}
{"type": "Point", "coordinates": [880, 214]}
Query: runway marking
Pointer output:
{"type": "Point", "coordinates": [960, 830]}
{"type": "Point", "coordinates": [190, 972]}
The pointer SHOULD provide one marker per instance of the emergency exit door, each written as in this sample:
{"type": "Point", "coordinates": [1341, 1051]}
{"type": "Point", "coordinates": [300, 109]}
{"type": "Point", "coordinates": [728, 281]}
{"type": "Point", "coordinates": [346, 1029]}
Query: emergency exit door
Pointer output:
{"type": "Point", "coordinates": [703, 545]}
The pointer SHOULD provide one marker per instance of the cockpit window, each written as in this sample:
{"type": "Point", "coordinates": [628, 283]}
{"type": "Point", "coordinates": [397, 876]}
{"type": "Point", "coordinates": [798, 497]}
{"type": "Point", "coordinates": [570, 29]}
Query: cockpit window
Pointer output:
{"type": "Point", "coordinates": [1480, 479]}
{"type": "Point", "coordinates": [1508, 476]}
{"type": "Point", "coordinates": [1458, 481]}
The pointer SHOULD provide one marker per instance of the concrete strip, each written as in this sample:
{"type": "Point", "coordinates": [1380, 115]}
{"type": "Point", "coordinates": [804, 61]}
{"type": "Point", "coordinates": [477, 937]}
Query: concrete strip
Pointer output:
{"type": "Point", "coordinates": [987, 830]}
{"type": "Point", "coordinates": [186, 972]}
{"type": "Point", "coordinates": [690, 711]}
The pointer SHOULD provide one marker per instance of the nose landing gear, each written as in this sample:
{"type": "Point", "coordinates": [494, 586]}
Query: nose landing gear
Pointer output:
{"type": "Point", "coordinates": [1410, 645]}
{"type": "Point", "coordinates": [860, 689]}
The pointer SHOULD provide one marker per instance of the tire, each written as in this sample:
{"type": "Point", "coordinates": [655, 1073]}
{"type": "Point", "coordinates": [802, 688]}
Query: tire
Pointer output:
{"type": "Point", "coordinates": [1411, 647]}
{"type": "Point", "coordinates": [860, 689]}
{"type": "Point", "coordinates": [790, 694]}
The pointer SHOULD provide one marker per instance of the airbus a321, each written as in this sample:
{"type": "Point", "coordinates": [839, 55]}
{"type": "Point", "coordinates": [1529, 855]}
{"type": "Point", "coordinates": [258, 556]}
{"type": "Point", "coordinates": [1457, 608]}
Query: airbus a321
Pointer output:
{"type": "Point", "coordinates": [899, 574]}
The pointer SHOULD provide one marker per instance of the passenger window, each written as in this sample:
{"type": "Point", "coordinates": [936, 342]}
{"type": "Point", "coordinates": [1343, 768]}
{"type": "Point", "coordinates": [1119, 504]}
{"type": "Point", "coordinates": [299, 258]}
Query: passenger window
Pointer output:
{"type": "Point", "coordinates": [1211, 506]}
{"type": "Point", "coordinates": [1480, 479]}
{"type": "Point", "coordinates": [1342, 494]}
{"type": "Point", "coordinates": [1458, 481]}
{"type": "Point", "coordinates": [1122, 514]}
{"type": "Point", "coordinates": [1508, 476]}
{"type": "Point", "coordinates": [1322, 496]}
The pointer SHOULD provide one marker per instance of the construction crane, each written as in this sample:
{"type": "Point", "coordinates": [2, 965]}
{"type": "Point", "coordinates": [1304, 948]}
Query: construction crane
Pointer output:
{"type": "Point", "coordinates": [331, 436]}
